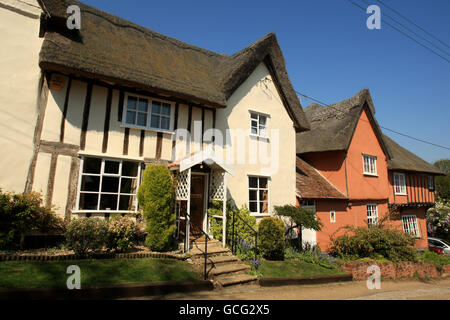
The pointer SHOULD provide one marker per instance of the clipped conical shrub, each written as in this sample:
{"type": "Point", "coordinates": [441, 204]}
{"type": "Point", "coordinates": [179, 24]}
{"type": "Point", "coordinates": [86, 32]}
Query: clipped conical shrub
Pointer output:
{"type": "Point", "coordinates": [156, 196]}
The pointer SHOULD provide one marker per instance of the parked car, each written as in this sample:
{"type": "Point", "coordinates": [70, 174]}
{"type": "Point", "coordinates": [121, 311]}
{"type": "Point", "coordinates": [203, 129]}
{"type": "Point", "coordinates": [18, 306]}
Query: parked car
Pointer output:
{"type": "Point", "coordinates": [438, 245]}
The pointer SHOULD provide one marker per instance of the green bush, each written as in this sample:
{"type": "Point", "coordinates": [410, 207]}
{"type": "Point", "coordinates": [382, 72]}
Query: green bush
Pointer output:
{"type": "Point", "coordinates": [156, 197]}
{"type": "Point", "coordinates": [21, 214]}
{"type": "Point", "coordinates": [241, 230]}
{"type": "Point", "coordinates": [439, 260]}
{"type": "Point", "coordinates": [374, 242]}
{"type": "Point", "coordinates": [271, 238]}
{"type": "Point", "coordinates": [86, 235]}
{"type": "Point", "coordinates": [123, 233]}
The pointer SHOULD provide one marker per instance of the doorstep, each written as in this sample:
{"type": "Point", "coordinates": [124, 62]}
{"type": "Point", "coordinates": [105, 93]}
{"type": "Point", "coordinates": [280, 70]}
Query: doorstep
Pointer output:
{"type": "Point", "coordinates": [108, 292]}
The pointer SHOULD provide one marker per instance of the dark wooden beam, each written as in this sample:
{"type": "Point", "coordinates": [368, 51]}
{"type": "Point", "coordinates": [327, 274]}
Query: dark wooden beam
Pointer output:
{"type": "Point", "coordinates": [64, 115]}
{"type": "Point", "coordinates": [126, 140]}
{"type": "Point", "coordinates": [86, 110]}
{"type": "Point", "coordinates": [42, 105]}
{"type": "Point", "coordinates": [159, 142]}
{"type": "Point", "coordinates": [107, 120]}
{"type": "Point", "coordinates": [59, 148]}
{"type": "Point", "coordinates": [141, 143]}
{"type": "Point", "coordinates": [51, 179]}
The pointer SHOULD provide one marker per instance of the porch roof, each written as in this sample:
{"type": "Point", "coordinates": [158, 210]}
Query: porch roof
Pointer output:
{"type": "Point", "coordinates": [207, 156]}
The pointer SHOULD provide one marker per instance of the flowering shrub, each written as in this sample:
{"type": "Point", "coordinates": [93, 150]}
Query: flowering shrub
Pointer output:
{"type": "Point", "coordinates": [438, 220]}
{"type": "Point", "coordinates": [244, 250]}
{"type": "Point", "coordinates": [21, 214]}
{"type": "Point", "coordinates": [312, 256]}
{"type": "Point", "coordinates": [123, 233]}
{"type": "Point", "coordinates": [86, 234]}
{"type": "Point", "coordinates": [374, 242]}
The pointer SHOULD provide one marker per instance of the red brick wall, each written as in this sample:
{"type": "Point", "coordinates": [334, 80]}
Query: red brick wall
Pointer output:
{"type": "Point", "coordinates": [390, 270]}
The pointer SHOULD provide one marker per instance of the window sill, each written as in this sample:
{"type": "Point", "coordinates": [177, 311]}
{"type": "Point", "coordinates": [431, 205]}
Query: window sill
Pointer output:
{"type": "Point", "coordinates": [130, 126]}
{"type": "Point", "coordinates": [371, 174]}
{"type": "Point", "coordinates": [259, 215]}
{"type": "Point", "coordinates": [255, 136]}
{"type": "Point", "coordinates": [400, 194]}
{"type": "Point", "coordinates": [101, 211]}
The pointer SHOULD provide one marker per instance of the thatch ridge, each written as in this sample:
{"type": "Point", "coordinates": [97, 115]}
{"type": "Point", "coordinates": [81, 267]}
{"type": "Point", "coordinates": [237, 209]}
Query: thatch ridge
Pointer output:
{"type": "Point", "coordinates": [332, 126]}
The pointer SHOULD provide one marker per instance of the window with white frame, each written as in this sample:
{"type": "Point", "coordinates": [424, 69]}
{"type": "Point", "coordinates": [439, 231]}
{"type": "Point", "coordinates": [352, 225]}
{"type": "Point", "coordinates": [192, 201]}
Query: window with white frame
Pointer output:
{"type": "Point", "coordinates": [431, 183]}
{"type": "Point", "coordinates": [332, 216]}
{"type": "Point", "coordinates": [145, 113]}
{"type": "Point", "coordinates": [410, 225]}
{"type": "Point", "coordinates": [258, 124]}
{"type": "Point", "coordinates": [399, 184]}
{"type": "Point", "coordinates": [370, 165]}
{"type": "Point", "coordinates": [372, 214]}
{"type": "Point", "coordinates": [258, 195]}
{"type": "Point", "coordinates": [108, 185]}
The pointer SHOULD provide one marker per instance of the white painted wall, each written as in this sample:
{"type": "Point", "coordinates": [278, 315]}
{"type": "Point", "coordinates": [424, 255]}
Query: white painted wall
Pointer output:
{"type": "Point", "coordinates": [259, 93]}
{"type": "Point", "coordinates": [19, 86]}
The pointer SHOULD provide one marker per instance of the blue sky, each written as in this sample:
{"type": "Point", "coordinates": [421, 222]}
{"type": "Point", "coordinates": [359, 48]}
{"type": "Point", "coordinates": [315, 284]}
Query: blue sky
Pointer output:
{"type": "Point", "coordinates": [329, 52]}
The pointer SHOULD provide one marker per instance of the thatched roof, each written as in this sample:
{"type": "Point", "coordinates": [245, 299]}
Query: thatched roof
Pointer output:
{"type": "Point", "coordinates": [332, 127]}
{"type": "Point", "coordinates": [405, 160]}
{"type": "Point", "coordinates": [312, 185]}
{"type": "Point", "coordinates": [118, 51]}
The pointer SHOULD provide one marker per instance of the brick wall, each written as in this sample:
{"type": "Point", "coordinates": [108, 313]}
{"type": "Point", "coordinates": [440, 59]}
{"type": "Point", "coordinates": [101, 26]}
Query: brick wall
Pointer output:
{"type": "Point", "coordinates": [390, 270]}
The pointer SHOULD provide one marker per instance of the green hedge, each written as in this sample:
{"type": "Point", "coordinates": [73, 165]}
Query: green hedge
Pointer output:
{"type": "Point", "coordinates": [156, 196]}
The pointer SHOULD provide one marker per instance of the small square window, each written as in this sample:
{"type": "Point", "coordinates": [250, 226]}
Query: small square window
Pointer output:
{"type": "Point", "coordinates": [258, 124]}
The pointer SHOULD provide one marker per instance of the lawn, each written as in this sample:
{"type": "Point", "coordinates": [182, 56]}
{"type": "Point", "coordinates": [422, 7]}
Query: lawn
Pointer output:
{"type": "Point", "coordinates": [294, 268]}
{"type": "Point", "coordinates": [52, 274]}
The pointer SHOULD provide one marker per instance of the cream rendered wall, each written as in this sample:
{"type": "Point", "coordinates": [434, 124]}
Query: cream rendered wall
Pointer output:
{"type": "Point", "coordinates": [19, 87]}
{"type": "Point", "coordinates": [41, 173]}
{"type": "Point", "coordinates": [61, 186]}
{"type": "Point", "coordinates": [259, 93]}
{"type": "Point", "coordinates": [74, 116]}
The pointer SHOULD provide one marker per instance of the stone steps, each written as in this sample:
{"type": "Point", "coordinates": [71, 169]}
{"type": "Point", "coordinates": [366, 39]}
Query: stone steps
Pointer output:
{"type": "Point", "coordinates": [223, 267]}
{"type": "Point", "coordinates": [229, 268]}
{"type": "Point", "coordinates": [237, 279]}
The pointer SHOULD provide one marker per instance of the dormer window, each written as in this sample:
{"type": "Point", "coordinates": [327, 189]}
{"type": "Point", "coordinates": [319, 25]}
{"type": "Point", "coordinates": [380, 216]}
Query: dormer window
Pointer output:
{"type": "Point", "coordinates": [370, 165]}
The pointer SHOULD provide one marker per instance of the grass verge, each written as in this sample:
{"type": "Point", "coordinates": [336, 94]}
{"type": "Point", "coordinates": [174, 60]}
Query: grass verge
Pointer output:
{"type": "Point", "coordinates": [52, 274]}
{"type": "Point", "coordinates": [293, 268]}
